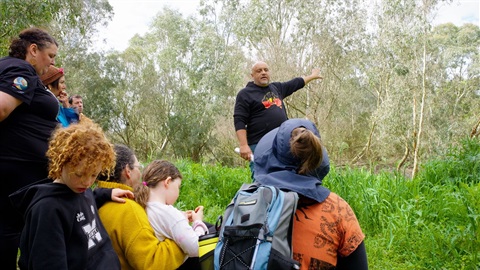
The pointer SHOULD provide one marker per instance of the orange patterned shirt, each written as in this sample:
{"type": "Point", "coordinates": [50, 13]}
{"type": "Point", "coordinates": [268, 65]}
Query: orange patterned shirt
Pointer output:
{"type": "Point", "coordinates": [323, 231]}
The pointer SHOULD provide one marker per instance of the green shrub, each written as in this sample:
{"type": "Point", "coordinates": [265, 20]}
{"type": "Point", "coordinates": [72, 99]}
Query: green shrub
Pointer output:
{"type": "Point", "coordinates": [212, 186]}
{"type": "Point", "coordinates": [460, 165]}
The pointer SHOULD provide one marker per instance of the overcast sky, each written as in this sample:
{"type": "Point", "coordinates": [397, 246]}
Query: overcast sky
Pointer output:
{"type": "Point", "coordinates": [134, 16]}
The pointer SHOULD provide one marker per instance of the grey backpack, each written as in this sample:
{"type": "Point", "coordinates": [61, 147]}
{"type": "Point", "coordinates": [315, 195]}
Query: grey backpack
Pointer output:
{"type": "Point", "coordinates": [256, 231]}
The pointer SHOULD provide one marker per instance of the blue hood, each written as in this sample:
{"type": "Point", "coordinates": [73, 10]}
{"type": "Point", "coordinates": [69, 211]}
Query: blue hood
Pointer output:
{"type": "Point", "coordinates": [275, 165]}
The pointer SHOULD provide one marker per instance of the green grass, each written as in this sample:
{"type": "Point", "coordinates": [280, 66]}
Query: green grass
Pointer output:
{"type": "Point", "coordinates": [210, 186]}
{"type": "Point", "coordinates": [431, 222]}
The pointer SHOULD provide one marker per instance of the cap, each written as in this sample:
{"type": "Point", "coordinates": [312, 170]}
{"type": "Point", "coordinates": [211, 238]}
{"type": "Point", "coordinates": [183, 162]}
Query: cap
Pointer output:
{"type": "Point", "coordinates": [52, 75]}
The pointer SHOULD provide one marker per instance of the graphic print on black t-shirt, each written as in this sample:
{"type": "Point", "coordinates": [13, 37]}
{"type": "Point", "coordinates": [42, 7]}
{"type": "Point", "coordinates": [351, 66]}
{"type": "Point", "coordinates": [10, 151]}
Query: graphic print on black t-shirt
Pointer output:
{"type": "Point", "coordinates": [271, 99]}
{"type": "Point", "coordinates": [90, 229]}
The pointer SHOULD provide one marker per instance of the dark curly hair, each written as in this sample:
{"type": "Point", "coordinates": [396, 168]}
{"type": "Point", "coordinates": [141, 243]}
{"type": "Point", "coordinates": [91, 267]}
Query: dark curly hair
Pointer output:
{"type": "Point", "coordinates": [19, 45]}
{"type": "Point", "coordinates": [124, 157]}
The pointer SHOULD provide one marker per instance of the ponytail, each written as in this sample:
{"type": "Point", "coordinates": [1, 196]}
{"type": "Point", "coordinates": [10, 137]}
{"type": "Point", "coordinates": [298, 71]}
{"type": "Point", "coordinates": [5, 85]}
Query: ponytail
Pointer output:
{"type": "Point", "coordinates": [154, 173]}
{"type": "Point", "coordinates": [142, 194]}
{"type": "Point", "coordinates": [308, 148]}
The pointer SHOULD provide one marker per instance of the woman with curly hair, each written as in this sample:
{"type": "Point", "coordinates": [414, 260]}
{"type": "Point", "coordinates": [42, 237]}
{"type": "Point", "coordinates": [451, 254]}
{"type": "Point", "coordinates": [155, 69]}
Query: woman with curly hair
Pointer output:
{"type": "Point", "coordinates": [62, 226]}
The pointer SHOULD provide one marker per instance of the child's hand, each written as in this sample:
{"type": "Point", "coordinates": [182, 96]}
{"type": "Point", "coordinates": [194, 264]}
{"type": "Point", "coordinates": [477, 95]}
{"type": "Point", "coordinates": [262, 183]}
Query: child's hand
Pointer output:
{"type": "Point", "coordinates": [63, 98]}
{"type": "Point", "coordinates": [118, 195]}
{"type": "Point", "coordinates": [188, 215]}
{"type": "Point", "coordinates": [197, 214]}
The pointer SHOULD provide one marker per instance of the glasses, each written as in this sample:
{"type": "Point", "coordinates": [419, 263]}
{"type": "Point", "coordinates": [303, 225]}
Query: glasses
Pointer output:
{"type": "Point", "coordinates": [139, 166]}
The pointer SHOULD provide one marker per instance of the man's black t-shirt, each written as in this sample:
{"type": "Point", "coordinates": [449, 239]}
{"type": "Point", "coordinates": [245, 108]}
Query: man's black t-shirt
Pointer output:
{"type": "Point", "coordinates": [261, 109]}
{"type": "Point", "coordinates": [24, 134]}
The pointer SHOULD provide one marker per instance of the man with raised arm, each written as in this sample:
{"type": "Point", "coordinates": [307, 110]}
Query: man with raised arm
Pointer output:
{"type": "Point", "coordinates": [259, 106]}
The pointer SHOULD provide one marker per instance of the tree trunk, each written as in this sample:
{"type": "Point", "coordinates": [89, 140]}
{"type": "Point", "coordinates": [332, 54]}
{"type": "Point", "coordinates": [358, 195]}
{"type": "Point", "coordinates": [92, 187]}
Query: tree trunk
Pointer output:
{"type": "Point", "coordinates": [405, 156]}
{"type": "Point", "coordinates": [416, 153]}
{"type": "Point", "coordinates": [475, 130]}
{"type": "Point", "coordinates": [366, 148]}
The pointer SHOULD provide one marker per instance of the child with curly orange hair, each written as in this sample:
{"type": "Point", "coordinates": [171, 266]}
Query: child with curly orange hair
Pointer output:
{"type": "Point", "coordinates": [62, 227]}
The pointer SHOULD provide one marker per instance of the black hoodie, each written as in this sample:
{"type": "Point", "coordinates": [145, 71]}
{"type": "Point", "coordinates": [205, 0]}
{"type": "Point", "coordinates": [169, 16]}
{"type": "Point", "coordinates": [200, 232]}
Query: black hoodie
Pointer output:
{"type": "Point", "coordinates": [62, 229]}
{"type": "Point", "coordinates": [261, 109]}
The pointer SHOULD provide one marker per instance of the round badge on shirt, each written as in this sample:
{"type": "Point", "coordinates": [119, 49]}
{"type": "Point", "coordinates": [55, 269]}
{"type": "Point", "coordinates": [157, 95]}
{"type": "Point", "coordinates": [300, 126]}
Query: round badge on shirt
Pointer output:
{"type": "Point", "coordinates": [20, 83]}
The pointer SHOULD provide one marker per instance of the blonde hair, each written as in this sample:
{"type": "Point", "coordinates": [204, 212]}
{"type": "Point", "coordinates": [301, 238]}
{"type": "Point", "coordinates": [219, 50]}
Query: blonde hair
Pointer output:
{"type": "Point", "coordinates": [154, 173]}
{"type": "Point", "coordinates": [76, 143]}
{"type": "Point", "coordinates": [306, 146]}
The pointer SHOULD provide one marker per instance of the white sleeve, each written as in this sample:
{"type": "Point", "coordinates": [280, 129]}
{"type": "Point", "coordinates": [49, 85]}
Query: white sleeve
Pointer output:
{"type": "Point", "coordinates": [169, 222]}
{"type": "Point", "coordinates": [185, 237]}
{"type": "Point", "coordinates": [199, 227]}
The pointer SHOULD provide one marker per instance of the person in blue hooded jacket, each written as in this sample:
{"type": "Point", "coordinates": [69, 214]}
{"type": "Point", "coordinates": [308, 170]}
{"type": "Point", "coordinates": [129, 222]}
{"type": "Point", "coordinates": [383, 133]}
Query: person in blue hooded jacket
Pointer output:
{"type": "Point", "coordinates": [326, 232]}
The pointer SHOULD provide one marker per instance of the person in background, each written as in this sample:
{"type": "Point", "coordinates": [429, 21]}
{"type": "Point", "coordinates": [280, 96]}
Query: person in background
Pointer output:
{"type": "Point", "coordinates": [76, 102]}
{"type": "Point", "coordinates": [326, 232]}
{"type": "Point", "coordinates": [54, 79]}
{"type": "Point", "coordinates": [62, 227]}
{"type": "Point", "coordinates": [259, 106]}
{"type": "Point", "coordinates": [157, 194]}
{"type": "Point", "coordinates": [27, 119]}
{"type": "Point", "coordinates": [132, 236]}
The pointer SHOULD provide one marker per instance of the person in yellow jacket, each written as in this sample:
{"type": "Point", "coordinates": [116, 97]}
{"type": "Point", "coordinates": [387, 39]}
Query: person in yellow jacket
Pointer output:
{"type": "Point", "coordinates": [127, 224]}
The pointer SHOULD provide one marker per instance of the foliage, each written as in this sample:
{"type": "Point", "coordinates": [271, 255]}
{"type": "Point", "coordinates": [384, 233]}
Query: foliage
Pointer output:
{"type": "Point", "coordinates": [460, 165]}
{"type": "Point", "coordinates": [372, 57]}
{"type": "Point", "coordinates": [212, 186]}
{"type": "Point", "coordinates": [163, 94]}
{"type": "Point", "coordinates": [72, 21]}
{"type": "Point", "coordinates": [430, 222]}
{"type": "Point", "coordinates": [457, 80]}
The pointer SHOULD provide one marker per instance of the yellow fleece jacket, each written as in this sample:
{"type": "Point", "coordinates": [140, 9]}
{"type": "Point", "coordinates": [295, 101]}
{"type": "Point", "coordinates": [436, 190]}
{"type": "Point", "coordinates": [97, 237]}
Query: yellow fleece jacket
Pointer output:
{"type": "Point", "coordinates": [133, 238]}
